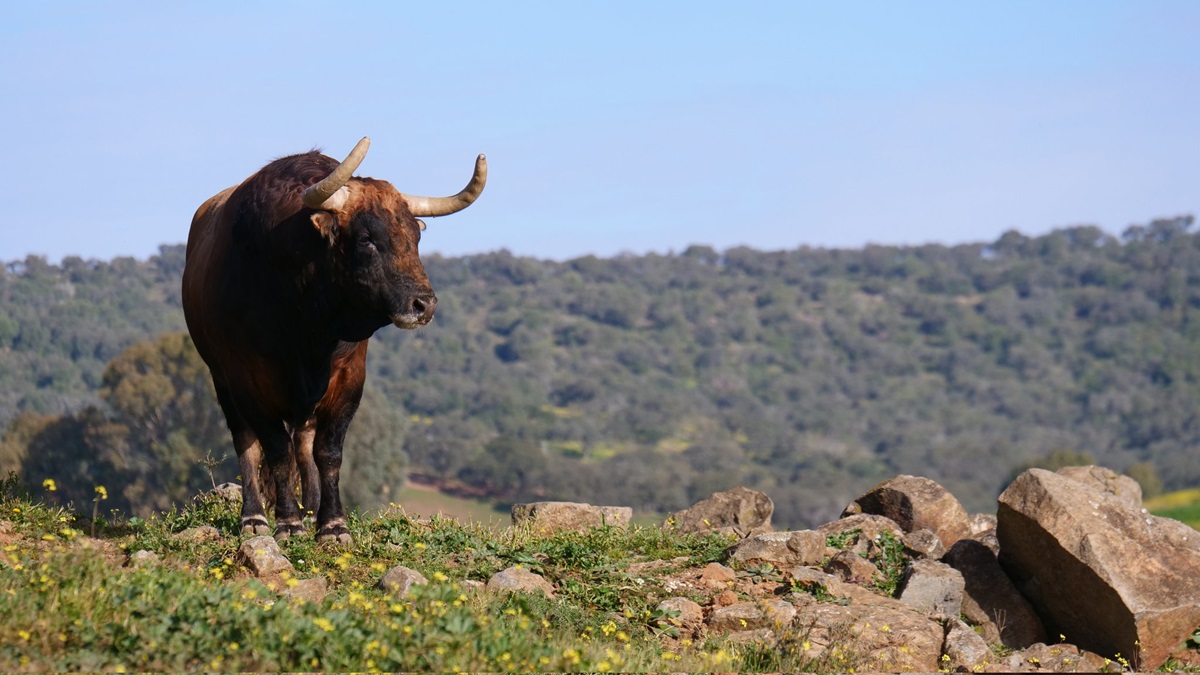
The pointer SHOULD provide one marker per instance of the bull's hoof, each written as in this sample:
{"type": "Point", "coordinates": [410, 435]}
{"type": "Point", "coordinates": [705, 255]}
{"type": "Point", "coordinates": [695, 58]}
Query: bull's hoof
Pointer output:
{"type": "Point", "coordinates": [255, 527]}
{"type": "Point", "coordinates": [286, 530]}
{"type": "Point", "coordinates": [338, 536]}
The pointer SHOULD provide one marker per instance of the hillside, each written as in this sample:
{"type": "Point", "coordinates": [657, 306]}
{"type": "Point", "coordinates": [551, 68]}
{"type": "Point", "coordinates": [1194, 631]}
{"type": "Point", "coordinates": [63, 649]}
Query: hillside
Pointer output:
{"type": "Point", "coordinates": [655, 380]}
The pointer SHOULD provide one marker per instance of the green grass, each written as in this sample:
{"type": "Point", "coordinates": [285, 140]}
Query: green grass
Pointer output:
{"type": "Point", "coordinates": [69, 601]}
{"type": "Point", "coordinates": [1182, 505]}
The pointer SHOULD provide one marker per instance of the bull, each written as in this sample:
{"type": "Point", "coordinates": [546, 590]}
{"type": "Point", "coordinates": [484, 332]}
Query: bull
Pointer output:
{"type": "Point", "coordinates": [287, 275]}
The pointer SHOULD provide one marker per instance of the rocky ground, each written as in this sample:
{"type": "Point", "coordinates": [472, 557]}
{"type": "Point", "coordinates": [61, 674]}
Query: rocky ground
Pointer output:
{"type": "Point", "coordinates": [1070, 575]}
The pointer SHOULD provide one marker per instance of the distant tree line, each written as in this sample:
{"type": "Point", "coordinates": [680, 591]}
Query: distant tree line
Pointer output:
{"type": "Point", "coordinates": [652, 381]}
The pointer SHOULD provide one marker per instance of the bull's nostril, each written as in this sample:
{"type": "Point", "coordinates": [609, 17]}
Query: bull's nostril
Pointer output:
{"type": "Point", "coordinates": [424, 305]}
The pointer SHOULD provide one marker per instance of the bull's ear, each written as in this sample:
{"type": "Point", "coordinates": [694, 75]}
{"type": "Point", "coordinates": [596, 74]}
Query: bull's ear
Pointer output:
{"type": "Point", "coordinates": [324, 222]}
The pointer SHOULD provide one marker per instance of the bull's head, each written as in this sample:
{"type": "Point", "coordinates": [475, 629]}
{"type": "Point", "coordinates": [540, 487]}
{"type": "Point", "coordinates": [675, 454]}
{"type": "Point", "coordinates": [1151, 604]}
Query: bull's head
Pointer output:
{"type": "Point", "coordinates": [374, 230]}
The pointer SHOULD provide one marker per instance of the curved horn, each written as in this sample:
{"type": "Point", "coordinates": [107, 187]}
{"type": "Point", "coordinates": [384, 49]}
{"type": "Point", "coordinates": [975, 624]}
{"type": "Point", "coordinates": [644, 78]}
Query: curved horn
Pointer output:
{"type": "Point", "coordinates": [443, 206]}
{"type": "Point", "coordinates": [316, 194]}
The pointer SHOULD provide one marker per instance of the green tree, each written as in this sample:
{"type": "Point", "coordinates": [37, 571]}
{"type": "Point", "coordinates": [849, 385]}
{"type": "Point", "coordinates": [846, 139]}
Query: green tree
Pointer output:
{"type": "Point", "coordinates": [374, 465]}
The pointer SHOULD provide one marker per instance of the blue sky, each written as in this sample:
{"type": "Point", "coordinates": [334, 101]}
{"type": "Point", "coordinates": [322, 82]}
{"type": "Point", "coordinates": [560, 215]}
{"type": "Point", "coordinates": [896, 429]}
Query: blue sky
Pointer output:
{"type": "Point", "coordinates": [609, 126]}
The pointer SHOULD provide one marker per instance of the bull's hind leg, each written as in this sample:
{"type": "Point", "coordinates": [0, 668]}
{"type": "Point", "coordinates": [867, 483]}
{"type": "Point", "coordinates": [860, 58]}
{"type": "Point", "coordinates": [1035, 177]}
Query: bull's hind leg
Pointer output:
{"type": "Point", "coordinates": [327, 451]}
{"type": "Point", "coordinates": [277, 449]}
{"type": "Point", "coordinates": [302, 443]}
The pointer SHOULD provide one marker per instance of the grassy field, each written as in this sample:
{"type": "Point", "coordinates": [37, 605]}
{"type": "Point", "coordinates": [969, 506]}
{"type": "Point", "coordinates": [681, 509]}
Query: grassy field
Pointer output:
{"type": "Point", "coordinates": [424, 501]}
{"type": "Point", "coordinates": [73, 601]}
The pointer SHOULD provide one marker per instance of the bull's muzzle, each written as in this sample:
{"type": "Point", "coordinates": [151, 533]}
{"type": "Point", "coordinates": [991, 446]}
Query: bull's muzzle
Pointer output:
{"type": "Point", "coordinates": [419, 312]}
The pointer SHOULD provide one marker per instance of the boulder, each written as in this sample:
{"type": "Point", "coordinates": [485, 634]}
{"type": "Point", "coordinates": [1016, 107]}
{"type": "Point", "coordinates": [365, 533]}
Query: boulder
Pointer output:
{"type": "Point", "coordinates": [1105, 480]}
{"type": "Point", "coordinates": [887, 637]}
{"type": "Point", "coordinates": [990, 600]}
{"type": "Point", "coordinates": [1060, 658]}
{"type": "Point", "coordinates": [725, 598]}
{"type": "Point", "coordinates": [717, 576]}
{"type": "Point", "coordinates": [198, 534]}
{"type": "Point", "coordinates": [229, 492]}
{"type": "Point", "coordinates": [143, 557]}
{"type": "Point", "coordinates": [914, 503]}
{"type": "Point", "coordinates": [964, 650]}
{"type": "Point", "coordinates": [740, 511]}
{"type": "Point", "coordinates": [932, 588]}
{"type": "Point", "coordinates": [555, 516]}
{"type": "Point", "coordinates": [307, 590]}
{"type": "Point", "coordinates": [781, 549]}
{"type": "Point", "coordinates": [982, 522]}
{"type": "Point", "coordinates": [869, 528]}
{"type": "Point", "coordinates": [517, 578]}
{"type": "Point", "coordinates": [923, 543]}
{"type": "Point", "coordinates": [399, 580]}
{"type": "Point", "coordinates": [851, 568]}
{"type": "Point", "coordinates": [262, 556]}
{"type": "Point", "coordinates": [1108, 576]}
{"type": "Point", "coordinates": [772, 614]}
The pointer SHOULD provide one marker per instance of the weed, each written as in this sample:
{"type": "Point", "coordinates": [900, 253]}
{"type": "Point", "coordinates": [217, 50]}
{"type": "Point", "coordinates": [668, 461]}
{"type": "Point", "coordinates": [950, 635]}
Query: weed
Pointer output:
{"type": "Point", "coordinates": [841, 540]}
{"type": "Point", "coordinates": [888, 557]}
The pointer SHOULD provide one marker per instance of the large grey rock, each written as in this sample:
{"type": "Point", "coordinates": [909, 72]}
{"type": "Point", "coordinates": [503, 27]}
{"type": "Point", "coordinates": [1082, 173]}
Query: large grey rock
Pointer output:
{"type": "Point", "coordinates": [1107, 575]}
{"type": "Point", "coordinates": [781, 549]}
{"type": "Point", "coordinates": [518, 578]}
{"type": "Point", "coordinates": [1105, 480]}
{"type": "Point", "coordinates": [556, 516]}
{"type": "Point", "coordinates": [933, 588]}
{"type": "Point", "coordinates": [399, 580]}
{"type": "Point", "coordinates": [262, 556]}
{"type": "Point", "coordinates": [740, 511]}
{"type": "Point", "coordinates": [913, 503]}
{"type": "Point", "coordinates": [990, 600]}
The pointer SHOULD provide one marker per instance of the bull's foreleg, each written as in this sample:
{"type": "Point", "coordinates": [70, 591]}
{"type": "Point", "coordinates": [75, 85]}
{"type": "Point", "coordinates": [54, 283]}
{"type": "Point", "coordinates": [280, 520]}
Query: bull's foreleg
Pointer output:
{"type": "Point", "coordinates": [327, 451]}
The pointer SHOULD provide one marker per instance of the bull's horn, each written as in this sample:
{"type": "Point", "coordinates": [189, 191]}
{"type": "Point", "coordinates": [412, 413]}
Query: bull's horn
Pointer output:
{"type": "Point", "coordinates": [315, 195]}
{"type": "Point", "coordinates": [443, 206]}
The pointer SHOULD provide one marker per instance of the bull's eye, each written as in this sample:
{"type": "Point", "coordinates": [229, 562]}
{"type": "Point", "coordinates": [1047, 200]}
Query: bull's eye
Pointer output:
{"type": "Point", "coordinates": [365, 242]}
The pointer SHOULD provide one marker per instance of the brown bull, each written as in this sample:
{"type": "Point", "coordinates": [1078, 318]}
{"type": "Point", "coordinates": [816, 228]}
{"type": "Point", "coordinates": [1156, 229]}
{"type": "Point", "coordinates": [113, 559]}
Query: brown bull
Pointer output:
{"type": "Point", "coordinates": [287, 276]}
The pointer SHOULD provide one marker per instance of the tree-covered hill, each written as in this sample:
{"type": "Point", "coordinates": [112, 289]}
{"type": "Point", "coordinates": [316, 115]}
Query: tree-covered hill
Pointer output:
{"type": "Point", "coordinates": [652, 381]}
